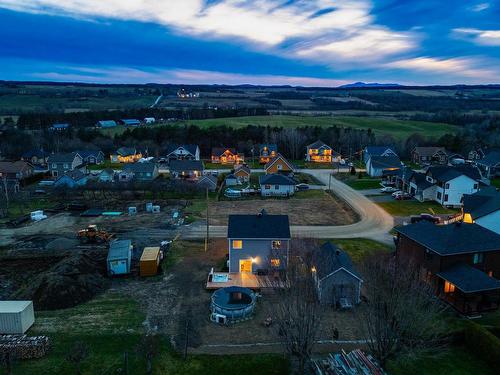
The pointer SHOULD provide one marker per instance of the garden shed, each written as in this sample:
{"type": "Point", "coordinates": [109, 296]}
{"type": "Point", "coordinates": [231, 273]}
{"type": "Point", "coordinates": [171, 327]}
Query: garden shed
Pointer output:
{"type": "Point", "coordinates": [119, 257]}
{"type": "Point", "coordinates": [150, 261]}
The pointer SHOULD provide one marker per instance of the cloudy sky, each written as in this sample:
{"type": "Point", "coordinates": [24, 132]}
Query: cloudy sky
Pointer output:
{"type": "Point", "coordinates": [296, 42]}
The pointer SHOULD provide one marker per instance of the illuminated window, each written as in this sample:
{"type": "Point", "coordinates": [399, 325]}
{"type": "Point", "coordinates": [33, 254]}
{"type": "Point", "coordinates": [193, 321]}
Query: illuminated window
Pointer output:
{"type": "Point", "coordinates": [490, 273]}
{"type": "Point", "coordinates": [275, 262]}
{"type": "Point", "coordinates": [449, 287]}
{"type": "Point", "coordinates": [237, 244]}
{"type": "Point", "coordinates": [276, 244]}
{"type": "Point", "coordinates": [478, 258]}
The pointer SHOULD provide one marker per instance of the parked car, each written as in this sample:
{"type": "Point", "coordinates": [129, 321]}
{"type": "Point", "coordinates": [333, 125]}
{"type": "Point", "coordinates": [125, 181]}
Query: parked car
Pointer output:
{"type": "Point", "coordinates": [388, 189]}
{"type": "Point", "coordinates": [402, 196]}
{"type": "Point", "coordinates": [396, 193]}
{"type": "Point", "coordinates": [302, 186]}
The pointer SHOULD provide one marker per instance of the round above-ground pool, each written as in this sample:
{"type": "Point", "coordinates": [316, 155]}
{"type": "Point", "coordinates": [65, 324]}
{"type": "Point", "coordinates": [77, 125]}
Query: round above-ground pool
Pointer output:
{"type": "Point", "coordinates": [234, 303]}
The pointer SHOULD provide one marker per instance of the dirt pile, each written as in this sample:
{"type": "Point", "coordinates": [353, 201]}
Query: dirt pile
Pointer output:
{"type": "Point", "coordinates": [62, 243]}
{"type": "Point", "coordinates": [73, 280]}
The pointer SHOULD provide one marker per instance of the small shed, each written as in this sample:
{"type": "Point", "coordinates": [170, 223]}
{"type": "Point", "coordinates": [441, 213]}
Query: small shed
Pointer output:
{"type": "Point", "coordinates": [231, 180]}
{"type": "Point", "coordinates": [119, 257]}
{"type": "Point", "coordinates": [16, 317]}
{"type": "Point", "coordinates": [150, 261]}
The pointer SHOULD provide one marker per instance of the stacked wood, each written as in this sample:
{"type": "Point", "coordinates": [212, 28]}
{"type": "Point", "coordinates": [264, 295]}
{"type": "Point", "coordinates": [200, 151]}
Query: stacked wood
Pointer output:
{"type": "Point", "coordinates": [353, 363]}
{"type": "Point", "coordinates": [24, 347]}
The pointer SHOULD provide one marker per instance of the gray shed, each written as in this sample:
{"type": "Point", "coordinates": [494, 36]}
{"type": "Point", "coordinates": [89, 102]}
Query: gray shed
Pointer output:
{"type": "Point", "coordinates": [16, 317]}
{"type": "Point", "coordinates": [336, 278]}
{"type": "Point", "coordinates": [119, 257]}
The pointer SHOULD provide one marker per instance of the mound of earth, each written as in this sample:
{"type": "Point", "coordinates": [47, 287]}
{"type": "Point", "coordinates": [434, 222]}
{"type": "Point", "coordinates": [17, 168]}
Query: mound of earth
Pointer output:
{"type": "Point", "coordinates": [73, 280]}
{"type": "Point", "coordinates": [62, 244]}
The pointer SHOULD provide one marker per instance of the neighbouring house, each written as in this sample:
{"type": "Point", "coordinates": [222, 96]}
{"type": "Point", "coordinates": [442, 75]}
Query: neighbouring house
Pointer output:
{"type": "Point", "coordinates": [16, 170]}
{"type": "Point", "coordinates": [460, 261]}
{"type": "Point", "coordinates": [187, 169]}
{"type": "Point", "coordinates": [71, 179]}
{"type": "Point", "coordinates": [59, 127]}
{"type": "Point", "coordinates": [429, 155]}
{"type": "Point", "coordinates": [267, 152]}
{"type": "Point", "coordinates": [278, 164]}
{"type": "Point", "coordinates": [335, 276]}
{"type": "Point", "coordinates": [483, 208]}
{"type": "Point", "coordinates": [61, 163]}
{"type": "Point", "coordinates": [489, 165]}
{"type": "Point", "coordinates": [149, 120]}
{"type": "Point", "coordinates": [242, 173]}
{"type": "Point", "coordinates": [130, 122]}
{"type": "Point", "coordinates": [106, 124]}
{"type": "Point", "coordinates": [92, 156]}
{"type": "Point", "coordinates": [377, 165]}
{"type": "Point", "coordinates": [276, 185]}
{"type": "Point", "coordinates": [258, 243]}
{"type": "Point", "coordinates": [370, 151]}
{"type": "Point", "coordinates": [231, 180]}
{"type": "Point", "coordinates": [142, 171]}
{"type": "Point", "coordinates": [36, 157]}
{"type": "Point", "coordinates": [320, 152]}
{"type": "Point", "coordinates": [125, 175]}
{"type": "Point", "coordinates": [125, 155]}
{"type": "Point", "coordinates": [475, 153]}
{"type": "Point", "coordinates": [222, 155]}
{"type": "Point", "coordinates": [107, 175]}
{"type": "Point", "coordinates": [208, 181]}
{"type": "Point", "coordinates": [182, 152]}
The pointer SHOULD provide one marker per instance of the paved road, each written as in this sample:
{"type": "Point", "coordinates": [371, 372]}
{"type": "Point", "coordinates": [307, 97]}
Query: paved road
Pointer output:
{"type": "Point", "coordinates": [375, 223]}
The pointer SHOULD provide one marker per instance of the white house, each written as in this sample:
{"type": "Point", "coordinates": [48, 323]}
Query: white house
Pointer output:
{"type": "Point", "coordinates": [483, 208]}
{"type": "Point", "coordinates": [452, 183]}
{"type": "Point", "coordinates": [276, 185]}
{"type": "Point", "coordinates": [376, 165]}
{"type": "Point", "coordinates": [182, 152]}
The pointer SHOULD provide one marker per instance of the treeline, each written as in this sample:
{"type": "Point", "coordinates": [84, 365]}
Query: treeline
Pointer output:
{"type": "Point", "coordinates": [90, 118]}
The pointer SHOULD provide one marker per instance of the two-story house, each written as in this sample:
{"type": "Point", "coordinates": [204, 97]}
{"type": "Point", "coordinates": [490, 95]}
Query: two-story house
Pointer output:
{"type": "Point", "coordinates": [278, 164]}
{"type": "Point", "coordinates": [276, 185]}
{"type": "Point", "coordinates": [258, 243]}
{"type": "Point", "coordinates": [13, 173]}
{"type": "Point", "coordinates": [61, 163]}
{"type": "Point", "coordinates": [429, 155]}
{"type": "Point", "coordinates": [36, 157]}
{"type": "Point", "coordinates": [186, 169]}
{"type": "Point", "coordinates": [144, 172]}
{"type": "Point", "coordinates": [377, 165]}
{"type": "Point", "coordinates": [182, 152]}
{"type": "Point", "coordinates": [91, 156]}
{"type": "Point", "coordinates": [370, 151]}
{"type": "Point", "coordinates": [320, 152]}
{"type": "Point", "coordinates": [125, 155]}
{"type": "Point", "coordinates": [490, 164]}
{"type": "Point", "coordinates": [483, 208]}
{"type": "Point", "coordinates": [267, 152]}
{"type": "Point", "coordinates": [460, 261]}
{"type": "Point", "coordinates": [222, 155]}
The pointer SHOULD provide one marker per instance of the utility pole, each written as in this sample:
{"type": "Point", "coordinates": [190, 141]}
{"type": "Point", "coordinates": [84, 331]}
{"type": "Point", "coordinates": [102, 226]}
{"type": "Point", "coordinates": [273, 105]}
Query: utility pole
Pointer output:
{"type": "Point", "coordinates": [206, 238]}
{"type": "Point", "coordinates": [330, 182]}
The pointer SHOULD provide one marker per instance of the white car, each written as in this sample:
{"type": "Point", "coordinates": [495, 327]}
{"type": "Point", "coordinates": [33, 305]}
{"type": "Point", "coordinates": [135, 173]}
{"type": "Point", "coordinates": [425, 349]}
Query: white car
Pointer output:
{"type": "Point", "coordinates": [388, 189]}
{"type": "Point", "coordinates": [396, 193]}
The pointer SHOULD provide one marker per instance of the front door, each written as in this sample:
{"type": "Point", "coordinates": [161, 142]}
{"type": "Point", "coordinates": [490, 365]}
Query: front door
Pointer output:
{"type": "Point", "coordinates": [246, 265]}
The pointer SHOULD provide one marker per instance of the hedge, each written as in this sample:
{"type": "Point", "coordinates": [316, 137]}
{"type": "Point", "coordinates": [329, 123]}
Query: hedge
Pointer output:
{"type": "Point", "coordinates": [483, 343]}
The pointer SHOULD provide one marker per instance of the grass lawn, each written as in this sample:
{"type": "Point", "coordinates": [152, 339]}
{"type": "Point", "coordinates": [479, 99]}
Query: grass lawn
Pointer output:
{"type": "Point", "coordinates": [360, 248]}
{"type": "Point", "coordinates": [364, 183]}
{"type": "Point", "coordinates": [413, 207]}
{"type": "Point", "coordinates": [105, 164]}
{"type": "Point", "coordinates": [496, 182]}
{"type": "Point", "coordinates": [111, 325]}
{"type": "Point", "coordinates": [309, 194]}
{"type": "Point", "coordinates": [399, 129]}
{"type": "Point", "coordinates": [456, 361]}
{"type": "Point", "coordinates": [17, 208]}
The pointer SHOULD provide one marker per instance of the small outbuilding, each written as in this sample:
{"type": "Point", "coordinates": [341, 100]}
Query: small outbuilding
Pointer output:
{"type": "Point", "coordinates": [150, 261]}
{"type": "Point", "coordinates": [119, 257]}
{"type": "Point", "coordinates": [16, 317]}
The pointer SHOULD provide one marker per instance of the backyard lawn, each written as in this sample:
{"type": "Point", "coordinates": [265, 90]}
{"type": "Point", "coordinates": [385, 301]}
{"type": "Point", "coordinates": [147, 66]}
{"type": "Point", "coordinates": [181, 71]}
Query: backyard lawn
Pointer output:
{"type": "Point", "coordinates": [496, 182]}
{"type": "Point", "coordinates": [363, 183]}
{"type": "Point", "coordinates": [413, 207]}
{"type": "Point", "coordinates": [360, 248]}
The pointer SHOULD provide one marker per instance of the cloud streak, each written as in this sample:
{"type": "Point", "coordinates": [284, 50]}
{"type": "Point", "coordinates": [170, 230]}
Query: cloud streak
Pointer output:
{"type": "Point", "coordinates": [481, 37]}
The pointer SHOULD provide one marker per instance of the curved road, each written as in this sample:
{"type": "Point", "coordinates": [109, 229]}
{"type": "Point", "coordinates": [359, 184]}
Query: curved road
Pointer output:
{"type": "Point", "coordinates": [374, 222]}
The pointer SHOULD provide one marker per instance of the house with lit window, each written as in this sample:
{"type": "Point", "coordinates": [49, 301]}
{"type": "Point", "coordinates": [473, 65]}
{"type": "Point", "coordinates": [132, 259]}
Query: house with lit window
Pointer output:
{"type": "Point", "coordinates": [376, 166]}
{"type": "Point", "coordinates": [186, 169]}
{"type": "Point", "coordinates": [278, 164]}
{"type": "Point", "coordinates": [258, 243]}
{"type": "Point", "coordinates": [370, 151]}
{"type": "Point", "coordinates": [223, 155]}
{"type": "Point", "coordinates": [125, 155]}
{"type": "Point", "coordinates": [276, 185]}
{"type": "Point", "coordinates": [61, 163]}
{"type": "Point", "coordinates": [460, 261]}
{"type": "Point", "coordinates": [242, 173]}
{"type": "Point", "coordinates": [267, 152]}
{"type": "Point", "coordinates": [320, 152]}
{"type": "Point", "coordinates": [483, 208]}
{"type": "Point", "coordinates": [182, 152]}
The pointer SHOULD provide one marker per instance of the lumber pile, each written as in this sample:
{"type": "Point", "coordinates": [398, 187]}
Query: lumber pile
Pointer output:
{"type": "Point", "coordinates": [353, 363]}
{"type": "Point", "coordinates": [24, 347]}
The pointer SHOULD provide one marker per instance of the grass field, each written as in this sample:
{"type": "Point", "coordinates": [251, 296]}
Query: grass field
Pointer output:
{"type": "Point", "coordinates": [399, 129]}
{"type": "Point", "coordinates": [495, 182]}
{"type": "Point", "coordinates": [412, 207]}
{"type": "Point", "coordinates": [359, 248]}
{"type": "Point", "coordinates": [364, 183]}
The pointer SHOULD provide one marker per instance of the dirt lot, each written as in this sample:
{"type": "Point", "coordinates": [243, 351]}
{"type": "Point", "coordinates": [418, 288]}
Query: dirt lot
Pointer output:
{"type": "Point", "coordinates": [322, 209]}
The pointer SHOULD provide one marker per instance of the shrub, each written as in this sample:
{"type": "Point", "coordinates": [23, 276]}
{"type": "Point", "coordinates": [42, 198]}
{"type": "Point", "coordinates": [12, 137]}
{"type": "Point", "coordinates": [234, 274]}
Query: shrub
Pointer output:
{"type": "Point", "coordinates": [483, 343]}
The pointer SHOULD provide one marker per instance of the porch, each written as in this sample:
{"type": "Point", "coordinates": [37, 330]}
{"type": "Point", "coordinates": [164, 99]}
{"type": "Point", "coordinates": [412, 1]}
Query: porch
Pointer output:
{"type": "Point", "coordinates": [217, 280]}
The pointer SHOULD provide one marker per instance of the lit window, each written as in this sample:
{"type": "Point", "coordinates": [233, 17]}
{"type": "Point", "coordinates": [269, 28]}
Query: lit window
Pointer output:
{"type": "Point", "coordinates": [478, 258]}
{"type": "Point", "coordinates": [490, 273]}
{"type": "Point", "coordinates": [449, 287]}
{"type": "Point", "coordinates": [237, 244]}
{"type": "Point", "coordinates": [275, 262]}
{"type": "Point", "coordinates": [276, 244]}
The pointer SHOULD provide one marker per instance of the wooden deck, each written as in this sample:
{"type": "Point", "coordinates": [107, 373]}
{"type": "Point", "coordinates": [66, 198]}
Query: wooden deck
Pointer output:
{"type": "Point", "coordinates": [243, 279]}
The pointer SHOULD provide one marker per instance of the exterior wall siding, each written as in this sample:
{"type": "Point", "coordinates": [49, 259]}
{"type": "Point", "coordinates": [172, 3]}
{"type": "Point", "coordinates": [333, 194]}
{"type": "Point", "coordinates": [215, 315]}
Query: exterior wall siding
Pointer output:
{"type": "Point", "coordinates": [339, 285]}
{"type": "Point", "coordinates": [491, 221]}
{"type": "Point", "coordinates": [258, 249]}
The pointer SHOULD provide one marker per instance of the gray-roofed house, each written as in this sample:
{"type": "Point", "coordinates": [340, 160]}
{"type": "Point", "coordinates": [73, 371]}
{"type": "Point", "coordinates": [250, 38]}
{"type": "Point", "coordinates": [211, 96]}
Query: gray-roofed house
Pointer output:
{"type": "Point", "coordinates": [125, 155]}
{"type": "Point", "coordinates": [182, 152]}
{"type": "Point", "coordinates": [131, 122]}
{"type": "Point", "coordinates": [208, 181]}
{"type": "Point", "coordinates": [490, 164]}
{"type": "Point", "coordinates": [276, 185]}
{"type": "Point", "coordinates": [336, 277]}
{"type": "Point", "coordinates": [370, 151]}
{"type": "Point", "coordinates": [242, 172]}
{"type": "Point", "coordinates": [377, 165]}
{"type": "Point", "coordinates": [460, 261]}
{"type": "Point", "coordinates": [142, 171]}
{"type": "Point", "coordinates": [320, 152]}
{"type": "Point", "coordinates": [429, 155]}
{"type": "Point", "coordinates": [231, 180]}
{"type": "Point", "coordinates": [106, 124]}
{"type": "Point", "coordinates": [186, 169]}
{"type": "Point", "coordinates": [61, 163]}
{"type": "Point", "coordinates": [483, 208]}
{"type": "Point", "coordinates": [107, 175]}
{"type": "Point", "coordinates": [91, 156]}
{"type": "Point", "coordinates": [71, 179]}
{"type": "Point", "coordinates": [36, 157]}
{"type": "Point", "coordinates": [258, 243]}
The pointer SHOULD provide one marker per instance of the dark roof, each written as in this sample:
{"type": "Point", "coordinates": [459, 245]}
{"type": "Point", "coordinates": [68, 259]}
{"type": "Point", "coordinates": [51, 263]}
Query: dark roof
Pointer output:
{"type": "Point", "coordinates": [218, 151]}
{"type": "Point", "coordinates": [186, 165]}
{"type": "Point", "coordinates": [189, 148]}
{"type": "Point", "coordinates": [208, 179]}
{"type": "Point", "coordinates": [75, 175]}
{"type": "Point", "coordinates": [492, 158]}
{"type": "Point", "coordinates": [138, 167]}
{"type": "Point", "coordinates": [385, 162]}
{"type": "Point", "coordinates": [420, 180]}
{"type": "Point", "coordinates": [230, 176]}
{"type": "Point", "coordinates": [428, 151]}
{"type": "Point", "coordinates": [86, 153]}
{"type": "Point", "coordinates": [453, 238]}
{"type": "Point", "coordinates": [482, 203]}
{"type": "Point", "coordinates": [276, 179]}
{"type": "Point", "coordinates": [107, 123]}
{"type": "Point", "coordinates": [131, 121]}
{"type": "Point", "coordinates": [60, 126]}
{"type": "Point", "coordinates": [377, 150]}
{"type": "Point", "coordinates": [270, 147]}
{"type": "Point", "coordinates": [276, 158]}
{"type": "Point", "coordinates": [446, 173]}
{"type": "Point", "coordinates": [469, 279]}
{"type": "Point", "coordinates": [330, 259]}
{"type": "Point", "coordinates": [261, 225]}
{"type": "Point", "coordinates": [14, 166]}
{"type": "Point", "coordinates": [318, 144]}
{"type": "Point", "coordinates": [38, 153]}
{"type": "Point", "coordinates": [109, 171]}
{"type": "Point", "coordinates": [242, 167]}
{"type": "Point", "coordinates": [126, 151]}
{"type": "Point", "coordinates": [62, 157]}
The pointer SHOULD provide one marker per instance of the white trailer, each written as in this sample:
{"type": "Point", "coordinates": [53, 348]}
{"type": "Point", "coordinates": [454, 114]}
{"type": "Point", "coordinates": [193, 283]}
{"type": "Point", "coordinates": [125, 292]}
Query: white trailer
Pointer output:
{"type": "Point", "coordinates": [16, 317]}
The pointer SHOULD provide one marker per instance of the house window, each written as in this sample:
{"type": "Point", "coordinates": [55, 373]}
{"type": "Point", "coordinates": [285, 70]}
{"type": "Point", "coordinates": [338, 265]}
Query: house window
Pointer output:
{"type": "Point", "coordinates": [475, 186]}
{"type": "Point", "coordinates": [267, 187]}
{"type": "Point", "coordinates": [276, 187]}
{"type": "Point", "coordinates": [275, 262]}
{"type": "Point", "coordinates": [439, 195]}
{"type": "Point", "coordinates": [449, 287]}
{"type": "Point", "coordinates": [66, 166]}
{"type": "Point", "coordinates": [446, 197]}
{"type": "Point", "coordinates": [276, 244]}
{"type": "Point", "coordinates": [478, 258]}
{"type": "Point", "coordinates": [237, 244]}
{"type": "Point", "coordinates": [447, 186]}
{"type": "Point", "coordinates": [490, 273]}
{"type": "Point", "coordinates": [54, 173]}
{"type": "Point", "coordinates": [54, 165]}
{"type": "Point", "coordinates": [280, 167]}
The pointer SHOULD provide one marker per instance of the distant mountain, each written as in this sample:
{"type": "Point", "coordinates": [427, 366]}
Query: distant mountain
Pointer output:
{"type": "Point", "coordinates": [373, 84]}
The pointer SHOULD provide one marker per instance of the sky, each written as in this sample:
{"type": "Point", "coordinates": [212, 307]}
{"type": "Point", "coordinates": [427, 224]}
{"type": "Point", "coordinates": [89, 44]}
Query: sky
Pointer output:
{"type": "Point", "coordinates": [269, 42]}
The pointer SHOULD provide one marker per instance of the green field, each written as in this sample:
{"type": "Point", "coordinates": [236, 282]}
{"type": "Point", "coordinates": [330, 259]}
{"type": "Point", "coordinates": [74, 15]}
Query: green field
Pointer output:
{"type": "Point", "coordinates": [412, 207]}
{"type": "Point", "coordinates": [399, 129]}
{"type": "Point", "coordinates": [360, 248]}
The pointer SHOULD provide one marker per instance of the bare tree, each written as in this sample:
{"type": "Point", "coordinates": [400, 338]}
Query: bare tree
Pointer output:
{"type": "Point", "coordinates": [402, 315]}
{"type": "Point", "coordinates": [296, 313]}
{"type": "Point", "coordinates": [77, 353]}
